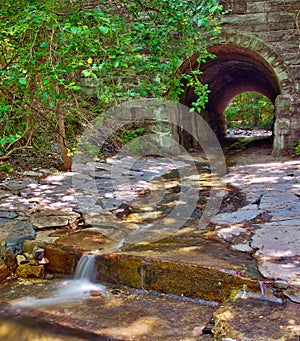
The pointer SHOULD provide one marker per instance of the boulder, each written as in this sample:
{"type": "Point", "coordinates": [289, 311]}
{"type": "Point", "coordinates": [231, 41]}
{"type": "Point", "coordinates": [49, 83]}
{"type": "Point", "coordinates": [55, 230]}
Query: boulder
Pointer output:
{"type": "Point", "coordinates": [20, 231]}
{"type": "Point", "coordinates": [30, 271]}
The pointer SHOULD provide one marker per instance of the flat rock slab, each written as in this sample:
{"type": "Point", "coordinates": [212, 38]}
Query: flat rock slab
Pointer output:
{"type": "Point", "coordinates": [8, 214]}
{"type": "Point", "coordinates": [236, 217]}
{"type": "Point", "coordinates": [273, 201]}
{"type": "Point", "coordinates": [13, 185]}
{"type": "Point", "coordinates": [253, 320]}
{"type": "Point", "coordinates": [126, 315]}
{"type": "Point", "coordinates": [290, 211]}
{"type": "Point", "coordinates": [19, 232]}
{"type": "Point", "coordinates": [278, 250]}
{"type": "Point", "coordinates": [53, 218]}
{"type": "Point", "coordinates": [15, 203]}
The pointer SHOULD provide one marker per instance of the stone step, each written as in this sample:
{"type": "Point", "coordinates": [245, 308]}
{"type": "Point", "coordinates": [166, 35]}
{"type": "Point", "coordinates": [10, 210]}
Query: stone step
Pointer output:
{"type": "Point", "coordinates": [135, 314]}
{"type": "Point", "coordinates": [127, 314]}
{"type": "Point", "coordinates": [207, 271]}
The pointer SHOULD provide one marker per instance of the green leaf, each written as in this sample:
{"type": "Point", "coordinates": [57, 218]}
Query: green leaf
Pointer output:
{"type": "Point", "coordinates": [116, 63]}
{"type": "Point", "coordinates": [44, 44]}
{"type": "Point", "coordinates": [104, 30]}
{"type": "Point", "coordinates": [76, 88]}
{"type": "Point", "coordinates": [23, 81]}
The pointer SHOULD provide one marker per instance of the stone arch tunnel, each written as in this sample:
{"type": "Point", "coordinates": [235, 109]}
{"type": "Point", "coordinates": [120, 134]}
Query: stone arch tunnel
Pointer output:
{"type": "Point", "coordinates": [234, 70]}
{"type": "Point", "coordinates": [258, 51]}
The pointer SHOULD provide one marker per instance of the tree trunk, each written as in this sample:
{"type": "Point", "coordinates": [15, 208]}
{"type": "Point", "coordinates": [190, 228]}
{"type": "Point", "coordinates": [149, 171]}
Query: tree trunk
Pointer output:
{"type": "Point", "coordinates": [67, 160]}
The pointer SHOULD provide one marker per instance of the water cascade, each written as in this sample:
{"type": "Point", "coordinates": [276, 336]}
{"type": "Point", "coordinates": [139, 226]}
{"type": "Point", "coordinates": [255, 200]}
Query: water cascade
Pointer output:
{"type": "Point", "coordinates": [86, 268]}
{"type": "Point", "coordinates": [69, 291]}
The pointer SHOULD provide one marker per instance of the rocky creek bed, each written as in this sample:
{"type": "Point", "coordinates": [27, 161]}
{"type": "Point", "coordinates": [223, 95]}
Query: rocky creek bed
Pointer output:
{"type": "Point", "coordinates": [247, 256]}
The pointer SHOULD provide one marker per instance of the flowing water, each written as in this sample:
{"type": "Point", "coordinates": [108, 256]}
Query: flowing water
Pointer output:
{"type": "Point", "coordinates": [86, 268]}
{"type": "Point", "coordinates": [69, 291]}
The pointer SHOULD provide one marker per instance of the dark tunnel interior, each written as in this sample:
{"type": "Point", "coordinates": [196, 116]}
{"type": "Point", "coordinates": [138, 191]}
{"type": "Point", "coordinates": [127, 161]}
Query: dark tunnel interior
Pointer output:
{"type": "Point", "coordinates": [234, 70]}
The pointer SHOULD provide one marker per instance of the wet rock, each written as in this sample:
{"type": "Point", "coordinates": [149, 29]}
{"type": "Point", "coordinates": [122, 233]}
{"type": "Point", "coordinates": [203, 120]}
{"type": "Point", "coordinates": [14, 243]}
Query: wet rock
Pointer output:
{"type": "Point", "coordinates": [20, 231]}
{"type": "Point", "coordinates": [3, 221]}
{"type": "Point", "coordinates": [281, 284]}
{"type": "Point", "coordinates": [10, 260]}
{"type": "Point", "coordinates": [61, 261]}
{"type": "Point", "coordinates": [30, 271]}
{"type": "Point", "coordinates": [131, 315]}
{"type": "Point", "coordinates": [252, 320]}
{"type": "Point", "coordinates": [293, 294]}
{"type": "Point", "coordinates": [171, 277]}
{"type": "Point", "coordinates": [4, 270]}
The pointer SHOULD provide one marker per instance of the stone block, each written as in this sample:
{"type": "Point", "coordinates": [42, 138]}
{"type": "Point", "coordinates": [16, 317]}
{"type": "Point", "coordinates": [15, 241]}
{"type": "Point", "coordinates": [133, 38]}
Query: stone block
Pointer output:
{"type": "Point", "coordinates": [30, 271]}
{"type": "Point", "coordinates": [61, 261]}
{"type": "Point", "coordinates": [21, 231]}
{"type": "Point", "coordinates": [21, 259]}
{"type": "Point", "coordinates": [247, 20]}
{"type": "Point", "coordinates": [281, 17]}
{"type": "Point", "coordinates": [258, 7]}
{"type": "Point", "coordinates": [53, 218]}
{"type": "Point", "coordinates": [4, 270]}
{"type": "Point", "coordinates": [236, 6]}
{"type": "Point", "coordinates": [169, 277]}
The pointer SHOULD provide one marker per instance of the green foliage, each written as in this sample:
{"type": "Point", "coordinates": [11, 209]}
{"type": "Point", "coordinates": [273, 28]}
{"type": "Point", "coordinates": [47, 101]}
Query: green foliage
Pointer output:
{"type": "Point", "coordinates": [297, 149]}
{"type": "Point", "coordinates": [130, 48]}
{"type": "Point", "coordinates": [129, 135]}
{"type": "Point", "coordinates": [6, 167]}
{"type": "Point", "coordinates": [250, 110]}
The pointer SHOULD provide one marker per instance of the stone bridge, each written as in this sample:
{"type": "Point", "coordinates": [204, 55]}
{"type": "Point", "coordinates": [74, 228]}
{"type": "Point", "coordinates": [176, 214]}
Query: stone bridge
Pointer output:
{"type": "Point", "coordinates": [259, 50]}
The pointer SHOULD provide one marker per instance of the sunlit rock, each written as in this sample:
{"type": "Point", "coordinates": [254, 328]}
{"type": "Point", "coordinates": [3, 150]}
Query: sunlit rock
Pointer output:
{"type": "Point", "coordinates": [30, 271]}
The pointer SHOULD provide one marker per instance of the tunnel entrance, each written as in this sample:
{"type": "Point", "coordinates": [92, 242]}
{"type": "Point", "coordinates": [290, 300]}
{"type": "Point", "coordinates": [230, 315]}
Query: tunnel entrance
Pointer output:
{"type": "Point", "coordinates": [234, 70]}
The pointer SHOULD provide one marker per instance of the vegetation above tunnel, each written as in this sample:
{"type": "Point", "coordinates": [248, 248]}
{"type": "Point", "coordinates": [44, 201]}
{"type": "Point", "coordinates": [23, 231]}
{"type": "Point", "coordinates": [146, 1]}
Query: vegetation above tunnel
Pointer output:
{"type": "Point", "coordinates": [50, 50]}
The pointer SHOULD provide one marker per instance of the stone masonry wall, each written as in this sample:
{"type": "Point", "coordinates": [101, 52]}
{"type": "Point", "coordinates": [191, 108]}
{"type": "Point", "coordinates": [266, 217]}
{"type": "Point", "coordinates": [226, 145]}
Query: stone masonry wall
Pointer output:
{"type": "Point", "coordinates": [272, 29]}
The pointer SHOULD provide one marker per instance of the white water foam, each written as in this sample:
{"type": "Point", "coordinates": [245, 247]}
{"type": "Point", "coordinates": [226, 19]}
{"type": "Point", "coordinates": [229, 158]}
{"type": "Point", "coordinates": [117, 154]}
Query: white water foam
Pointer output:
{"type": "Point", "coordinates": [69, 291]}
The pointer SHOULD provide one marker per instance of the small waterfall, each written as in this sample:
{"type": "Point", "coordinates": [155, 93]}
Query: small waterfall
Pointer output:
{"type": "Point", "coordinates": [86, 268]}
{"type": "Point", "coordinates": [262, 287]}
{"type": "Point", "coordinates": [69, 291]}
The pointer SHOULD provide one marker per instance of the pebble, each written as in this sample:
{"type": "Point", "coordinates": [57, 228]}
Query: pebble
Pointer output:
{"type": "Point", "coordinates": [20, 259]}
{"type": "Point", "coordinates": [241, 247]}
